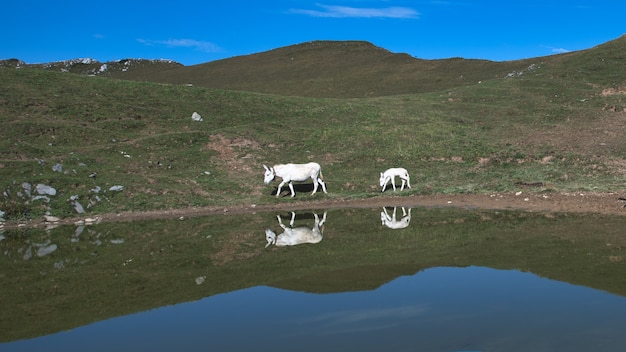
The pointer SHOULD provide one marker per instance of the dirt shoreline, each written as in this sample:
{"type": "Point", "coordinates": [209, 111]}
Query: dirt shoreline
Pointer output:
{"type": "Point", "coordinates": [578, 202]}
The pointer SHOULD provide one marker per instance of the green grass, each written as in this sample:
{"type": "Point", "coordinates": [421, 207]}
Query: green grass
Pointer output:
{"type": "Point", "coordinates": [545, 121]}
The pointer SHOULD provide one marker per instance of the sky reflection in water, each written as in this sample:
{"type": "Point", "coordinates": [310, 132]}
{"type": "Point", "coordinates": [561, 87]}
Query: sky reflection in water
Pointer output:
{"type": "Point", "coordinates": [439, 309]}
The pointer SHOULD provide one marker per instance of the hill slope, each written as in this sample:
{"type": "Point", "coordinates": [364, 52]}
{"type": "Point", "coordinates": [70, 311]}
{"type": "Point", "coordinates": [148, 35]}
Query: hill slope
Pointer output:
{"type": "Point", "coordinates": [344, 69]}
{"type": "Point", "coordinates": [555, 125]}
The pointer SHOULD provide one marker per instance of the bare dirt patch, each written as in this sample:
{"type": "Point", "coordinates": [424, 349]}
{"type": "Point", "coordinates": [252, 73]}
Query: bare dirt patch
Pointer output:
{"type": "Point", "coordinates": [229, 149]}
{"type": "Point", "coordinates": [579, 202]}
{"type": "Point", "coordinates": [613, 91]}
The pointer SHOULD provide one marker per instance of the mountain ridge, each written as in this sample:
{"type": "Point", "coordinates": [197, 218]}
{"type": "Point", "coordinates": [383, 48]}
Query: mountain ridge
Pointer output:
{"type": "Point", "coordinates": [323, 68]}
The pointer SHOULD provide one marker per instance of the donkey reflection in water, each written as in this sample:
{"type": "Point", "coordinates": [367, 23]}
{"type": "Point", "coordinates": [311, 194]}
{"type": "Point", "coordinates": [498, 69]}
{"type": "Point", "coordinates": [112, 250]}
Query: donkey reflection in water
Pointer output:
{"type": "Point", "coordinates": [392, 222]}
{"type": "Point", "coordinates": [295, 235]}
{"type": "Point", "coordinates": [295, 172]}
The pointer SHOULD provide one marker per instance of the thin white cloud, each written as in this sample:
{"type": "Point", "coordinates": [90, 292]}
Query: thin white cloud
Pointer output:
{"type": "Point", "coordinates": [356, 12]}
{"type": "Point", "coordinates": [555, 50]}
{"type": "Point", "coordinates": [207, 47]}
{"type": "Point", "coordinates": [560, 50]}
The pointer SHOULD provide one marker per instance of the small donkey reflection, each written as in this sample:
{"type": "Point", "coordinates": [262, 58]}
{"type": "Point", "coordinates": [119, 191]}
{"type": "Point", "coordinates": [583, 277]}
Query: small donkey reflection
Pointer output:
{"type": "Point", "coordinates": [392, 222]}
{"type": "Point", "coordinates": [295, 235]}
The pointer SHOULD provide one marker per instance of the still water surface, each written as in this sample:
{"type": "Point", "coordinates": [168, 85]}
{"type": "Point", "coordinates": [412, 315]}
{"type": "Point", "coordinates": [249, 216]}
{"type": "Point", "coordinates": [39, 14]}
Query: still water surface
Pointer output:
{"type": "Point", "coordinates": [443, 280]}
{"type": "Point", "coordinates": [438, 309]}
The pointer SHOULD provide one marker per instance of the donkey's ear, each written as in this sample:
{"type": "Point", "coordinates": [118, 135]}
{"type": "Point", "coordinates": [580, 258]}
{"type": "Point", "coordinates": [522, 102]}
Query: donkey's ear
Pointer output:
{"type": "Point", "coordinates": [266, 168]}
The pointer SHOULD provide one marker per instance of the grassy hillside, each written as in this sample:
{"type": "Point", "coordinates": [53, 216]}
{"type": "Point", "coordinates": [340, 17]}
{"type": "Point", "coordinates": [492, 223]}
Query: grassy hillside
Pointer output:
{"type": "Point", "coordinates": [464, 126]}
{"type": "Point", "coordinates": [337, 70]}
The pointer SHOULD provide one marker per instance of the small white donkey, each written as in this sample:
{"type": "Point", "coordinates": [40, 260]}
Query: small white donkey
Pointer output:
{"type": "Point", "coordinates": [390, 175]}
{"type": "Point", "coordinates": [295, 172]}
{"type": "Point", "coordinates": [295, 235]}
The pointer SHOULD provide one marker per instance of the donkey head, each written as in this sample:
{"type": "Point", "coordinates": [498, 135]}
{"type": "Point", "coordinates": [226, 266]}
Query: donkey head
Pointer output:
{"type": "Point", "coordinates": [269, 174]}
{"type": "Point", "coordinates": [382, 180]}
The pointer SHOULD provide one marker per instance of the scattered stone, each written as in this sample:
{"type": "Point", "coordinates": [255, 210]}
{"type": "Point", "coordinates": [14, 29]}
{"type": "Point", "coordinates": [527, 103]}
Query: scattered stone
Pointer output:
{"type": "Point", "coordinates": [50, 218]}
{"type": "Point", "coordinates": [116, 188]}
{"type": "Point", "coordinates": [45, 190]}
{"type": "Point", "coordinates": [90, 221]}
{"type": "Point", "coordinates": [196, 117]}
{"type": "Point", "coordinates": [78, 207]}
{"type": "Point", "coordinates": [200, 280]}
{"type": "Point", "coordinates": [28, 188]}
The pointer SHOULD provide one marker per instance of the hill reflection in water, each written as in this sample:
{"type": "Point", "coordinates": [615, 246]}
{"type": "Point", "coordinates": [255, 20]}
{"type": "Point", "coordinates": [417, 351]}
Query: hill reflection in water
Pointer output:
{"type": "Point", "coordinates": [438, 309]}
{"type": "Point", "coordinates": [213, 282]}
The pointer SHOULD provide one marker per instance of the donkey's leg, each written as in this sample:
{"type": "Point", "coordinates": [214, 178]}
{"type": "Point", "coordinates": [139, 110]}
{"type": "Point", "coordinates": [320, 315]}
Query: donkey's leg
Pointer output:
{"type": "Point", "coordinates": [314, 185]}
{"type": "Point", "coordinates": [293, 193]}
{"type": "Point", "coordinates": [403, 182]}
{"type": "Point", "coordinates": [393, 183]}
{"type": "Point", "coordinates": [323, 185]}
{"type": "Point", "coordinates": [279, 188]}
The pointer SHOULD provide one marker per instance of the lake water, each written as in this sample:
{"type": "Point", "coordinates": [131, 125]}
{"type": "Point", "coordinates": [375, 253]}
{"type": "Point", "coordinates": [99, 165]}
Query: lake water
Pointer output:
{"type": "Point", "coordinates": [446, 280]}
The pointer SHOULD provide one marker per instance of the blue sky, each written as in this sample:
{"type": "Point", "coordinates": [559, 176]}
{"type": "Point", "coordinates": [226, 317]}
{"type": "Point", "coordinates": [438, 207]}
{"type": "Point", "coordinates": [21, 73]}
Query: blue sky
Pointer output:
{"type": "Point", "coordinates": [195, 32]}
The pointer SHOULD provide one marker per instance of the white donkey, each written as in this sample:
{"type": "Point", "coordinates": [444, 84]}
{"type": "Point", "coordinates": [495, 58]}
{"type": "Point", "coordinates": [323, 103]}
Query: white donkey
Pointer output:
{"type": "Point", "coordinates": [295, 172]}
{"type": "Point", "coordinates": [390, 175]}
{"type": "Point", "coordinates": [295, 235]}
{"type": "Point", "coordinates": [392, 222]}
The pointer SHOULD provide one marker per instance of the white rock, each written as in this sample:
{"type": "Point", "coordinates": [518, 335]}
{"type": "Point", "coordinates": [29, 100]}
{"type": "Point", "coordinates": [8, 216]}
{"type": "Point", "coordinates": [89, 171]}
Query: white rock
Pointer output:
{"type": "Point", "coordinates": [44, 189]}
{"type": "Point", "coordinates": [196, 117]}
{"type": "Point", "coordinates": [50, 218]}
